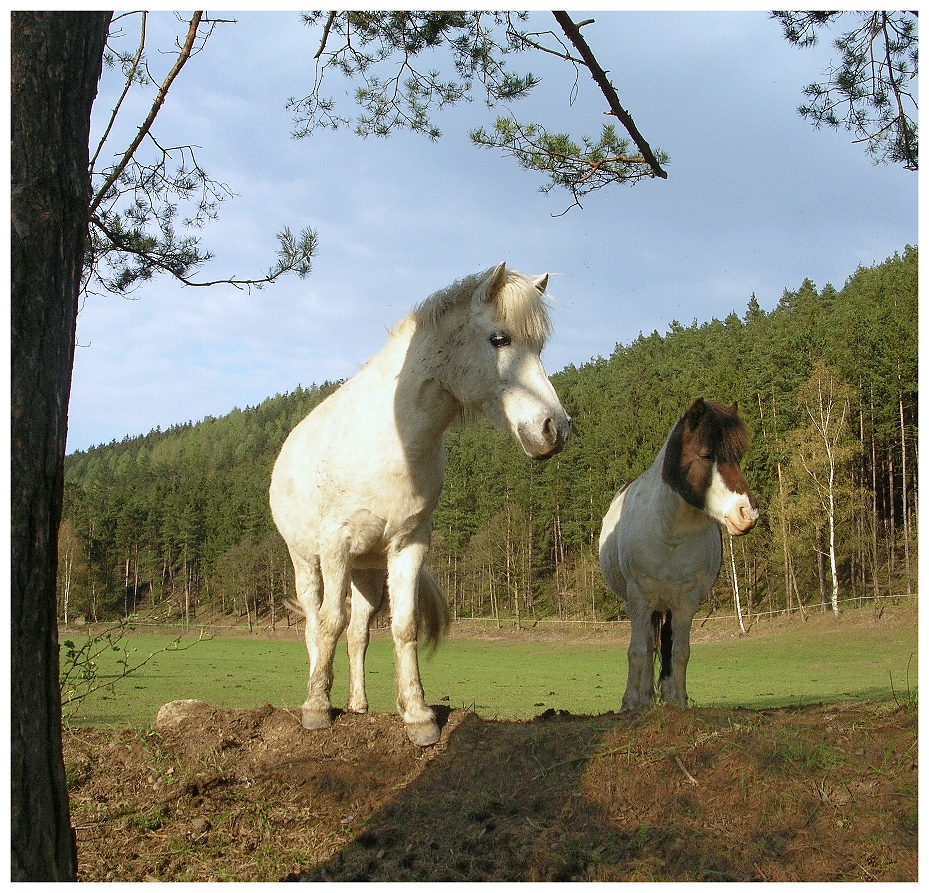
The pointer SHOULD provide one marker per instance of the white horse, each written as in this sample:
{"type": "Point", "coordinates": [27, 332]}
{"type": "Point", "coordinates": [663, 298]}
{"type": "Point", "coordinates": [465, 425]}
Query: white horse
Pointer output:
{"type": "Point", "coordinates": [356, 482]}
{"type": "Point", "coordinates": [661, 547]}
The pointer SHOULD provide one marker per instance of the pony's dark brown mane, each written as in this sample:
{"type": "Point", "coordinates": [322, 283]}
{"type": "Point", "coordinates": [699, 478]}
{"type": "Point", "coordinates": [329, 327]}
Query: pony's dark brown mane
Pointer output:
{"type": "Point", "coordinates": [708, 427]}
{"type": "Point", "coordinates": [722, 432]}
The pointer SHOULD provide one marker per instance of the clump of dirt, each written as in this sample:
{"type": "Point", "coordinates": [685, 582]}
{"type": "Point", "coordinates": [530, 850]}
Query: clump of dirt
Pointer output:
{"type": "Point", "coordinates": [819, 793]}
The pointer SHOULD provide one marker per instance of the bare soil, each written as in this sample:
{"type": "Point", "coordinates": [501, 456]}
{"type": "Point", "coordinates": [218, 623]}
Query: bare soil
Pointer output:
{"type": "Point", "coordinates": [819, 793]}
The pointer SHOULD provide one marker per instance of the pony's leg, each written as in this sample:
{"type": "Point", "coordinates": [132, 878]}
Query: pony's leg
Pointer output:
{"type": "Point", "coordinates": [309, 584]}
{"type": "Point", "coordinates": [329, 622]}
{"type": "Point", "coordinates": [367, 592]}
{"type": "Point", "coordinates": [403, 581]}
{"type": "Point", "coordinates": [674, 685]}
{"type": "Point", "coordinates": [640, 684]}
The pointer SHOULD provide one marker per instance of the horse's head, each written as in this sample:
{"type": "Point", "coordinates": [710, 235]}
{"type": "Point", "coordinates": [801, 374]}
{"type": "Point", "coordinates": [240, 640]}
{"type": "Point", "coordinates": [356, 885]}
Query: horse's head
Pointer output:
{"type": "Point", "coordinates": [702, 463]}
{"type": "Point", "coordinates": [494, 327]}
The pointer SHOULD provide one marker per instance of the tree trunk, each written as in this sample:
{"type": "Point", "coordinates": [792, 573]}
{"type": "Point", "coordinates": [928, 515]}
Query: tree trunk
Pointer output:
{"type": "Point", "coordinates": [906, 516]}
{"type": "Point", "coordinates": [892, 527]}
{"type": "Point", "coordinates": [821, 568]}
{"type": "Point", "coordinates": [875, 518]}
{"type": "Point", "coordinates": [55, 63]}
{"type": "Point", "coordinates": [735, 587]}
{"type": "Point", "coordinates": [69, 564]}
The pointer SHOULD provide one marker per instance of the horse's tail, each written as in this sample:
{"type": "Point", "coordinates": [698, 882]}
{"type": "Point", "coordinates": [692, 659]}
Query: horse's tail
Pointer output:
{"type": "Point", "coordinates": [432, 610]}
{"type": "Point", "coordinates": [661, 623]}
{"type": "Point", "coordinates": [292, 605]}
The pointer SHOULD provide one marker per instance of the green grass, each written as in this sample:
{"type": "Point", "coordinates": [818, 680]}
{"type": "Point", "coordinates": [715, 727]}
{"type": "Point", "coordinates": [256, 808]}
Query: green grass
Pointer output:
{"type": "Point", "coordinates": [802, 665]}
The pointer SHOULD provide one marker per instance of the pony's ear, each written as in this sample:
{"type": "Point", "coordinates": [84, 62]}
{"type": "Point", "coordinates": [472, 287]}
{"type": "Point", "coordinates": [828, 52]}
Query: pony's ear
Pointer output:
{"type": "Point", "coordinates": [494, 282]}
{"type": "Point", "coordinates": [540, 283]}
{"type": "Point", "coordinates": [487, 291]}
{"type": "Point", "coordinates": [695, 412]}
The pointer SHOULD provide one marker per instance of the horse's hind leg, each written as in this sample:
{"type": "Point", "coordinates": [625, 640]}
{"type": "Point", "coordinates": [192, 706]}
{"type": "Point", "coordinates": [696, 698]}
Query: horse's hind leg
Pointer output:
{"type": "Point", "coordinates": [674, 684]}
{"type": "Point", "coordinates": [403, 579]}
{"type": "Point", "coordinates": [367, 594]}
{"type": "Point", "coordinates": [327, 594]}
{"type": "Point", "coordinates": [309, 584]}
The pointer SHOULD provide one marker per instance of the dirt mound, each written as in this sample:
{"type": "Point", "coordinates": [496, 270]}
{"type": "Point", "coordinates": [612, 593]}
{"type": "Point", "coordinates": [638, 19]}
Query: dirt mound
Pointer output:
{"type": "Point", "coordinates": [818, 793]}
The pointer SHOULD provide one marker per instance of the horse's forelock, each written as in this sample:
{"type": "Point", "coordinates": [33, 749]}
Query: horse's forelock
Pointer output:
{"type": "Point", "coordinates": [723, 432]}
{"type": "Point", "coordinates": [518, 304]}
{"type": "Point", "coordinates": [522, 308]}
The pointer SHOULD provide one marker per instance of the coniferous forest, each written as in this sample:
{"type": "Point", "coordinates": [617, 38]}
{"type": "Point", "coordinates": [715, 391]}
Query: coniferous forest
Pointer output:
{"type": "Point", "coordinates": [176, 523]}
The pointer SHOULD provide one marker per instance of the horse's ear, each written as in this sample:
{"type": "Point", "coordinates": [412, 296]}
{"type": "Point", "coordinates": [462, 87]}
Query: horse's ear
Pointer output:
{"type": "Point", "coordinates": [540, 283]}
{"type": "Point", "coordinates": [494, 282]}
{"type": "Point", "coordinates": [695, 411]}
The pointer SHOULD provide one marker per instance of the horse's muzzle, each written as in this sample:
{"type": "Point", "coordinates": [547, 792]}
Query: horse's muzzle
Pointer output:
{"type": "Point", "coordinates": [742, 519]}
{"type": "Point", "coordinates": [546, 441]}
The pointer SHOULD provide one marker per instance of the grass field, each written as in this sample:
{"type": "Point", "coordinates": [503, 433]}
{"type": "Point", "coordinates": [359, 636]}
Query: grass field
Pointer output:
{"type": "Point", "coordinates": [848, 659]}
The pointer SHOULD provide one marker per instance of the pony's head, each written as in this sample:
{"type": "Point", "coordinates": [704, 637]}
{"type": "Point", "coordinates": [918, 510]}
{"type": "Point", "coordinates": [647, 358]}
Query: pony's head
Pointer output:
{"type": "Point", "coordinates": [702, 464]}
{"type": "Point", "coordinates": [491, 328]}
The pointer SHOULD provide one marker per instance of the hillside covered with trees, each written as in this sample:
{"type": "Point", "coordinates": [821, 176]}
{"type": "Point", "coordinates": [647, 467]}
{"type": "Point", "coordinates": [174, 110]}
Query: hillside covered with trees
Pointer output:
{"type": "Point", "coordinates": [177, 521]}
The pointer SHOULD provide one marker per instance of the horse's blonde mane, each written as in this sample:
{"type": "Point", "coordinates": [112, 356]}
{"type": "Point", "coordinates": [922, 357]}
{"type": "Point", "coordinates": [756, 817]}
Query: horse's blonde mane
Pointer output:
{"type": "Point", "coordinates": [518, 304]}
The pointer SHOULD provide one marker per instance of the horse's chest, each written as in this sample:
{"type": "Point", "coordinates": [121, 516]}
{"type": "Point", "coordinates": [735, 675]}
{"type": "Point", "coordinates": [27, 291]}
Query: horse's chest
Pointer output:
{"type": "Point", "coordinates": [676, 564]}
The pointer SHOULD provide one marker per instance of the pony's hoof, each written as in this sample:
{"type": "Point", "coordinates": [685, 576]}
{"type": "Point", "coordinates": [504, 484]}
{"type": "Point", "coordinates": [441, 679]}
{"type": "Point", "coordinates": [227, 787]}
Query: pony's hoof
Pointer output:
{"type": "Point", "coordinates": [316, 719]}
{"type": "Point", "coordinates": [423, 734]}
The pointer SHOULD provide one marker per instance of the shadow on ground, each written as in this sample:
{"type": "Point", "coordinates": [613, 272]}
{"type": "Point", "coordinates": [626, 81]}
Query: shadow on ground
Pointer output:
{"type": "Point", "coordinates": [820, 793]}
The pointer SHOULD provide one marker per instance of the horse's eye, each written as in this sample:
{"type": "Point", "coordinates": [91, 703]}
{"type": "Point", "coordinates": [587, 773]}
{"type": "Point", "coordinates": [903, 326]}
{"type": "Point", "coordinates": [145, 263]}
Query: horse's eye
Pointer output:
{"type": "Point", "coordinates": [500, 339]}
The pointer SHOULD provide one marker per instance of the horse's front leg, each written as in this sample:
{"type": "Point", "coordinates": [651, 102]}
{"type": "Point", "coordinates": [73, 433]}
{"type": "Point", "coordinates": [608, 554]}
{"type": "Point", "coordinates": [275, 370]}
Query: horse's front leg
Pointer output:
{"type": "Point", "coordinates": [367, 593]}
{"type": "Point", "coordinates": [674, 685]}
{"type": "Point", "coordinates": [640, 684]}
{"type": "Point", "coordinates": [322, 634]}
{"type": "Point", "coordinates": [402, 586]}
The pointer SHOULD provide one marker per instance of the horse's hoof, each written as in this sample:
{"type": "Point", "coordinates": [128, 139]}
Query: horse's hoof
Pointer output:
{"type": "Point", "coordinates": [423, 734]}
{"type": "Point", "coordinates": [316, 719]}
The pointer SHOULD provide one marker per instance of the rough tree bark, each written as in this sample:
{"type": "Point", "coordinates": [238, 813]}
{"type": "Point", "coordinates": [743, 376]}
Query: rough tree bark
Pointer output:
{"type": "Point", "coordinates": [55, 63]}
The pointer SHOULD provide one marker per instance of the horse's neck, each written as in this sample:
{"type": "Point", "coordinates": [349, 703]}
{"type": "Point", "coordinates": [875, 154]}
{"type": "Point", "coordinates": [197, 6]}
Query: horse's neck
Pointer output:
{"type": "Point", "coordinates": [675, 515]}
{"type": "Point", "coordinates": [423, 408]}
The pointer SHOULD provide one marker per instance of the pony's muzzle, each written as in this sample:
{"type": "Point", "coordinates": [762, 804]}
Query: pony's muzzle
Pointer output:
{"type": "Point", "coordinates": [742, 519]}
{"type": "Point", "coordinates": [547, 439]}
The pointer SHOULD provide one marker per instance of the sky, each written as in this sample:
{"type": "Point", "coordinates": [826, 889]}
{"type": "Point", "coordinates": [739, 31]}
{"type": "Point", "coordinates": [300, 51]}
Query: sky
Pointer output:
{"type": "Point", "coordinates": [756, 201]}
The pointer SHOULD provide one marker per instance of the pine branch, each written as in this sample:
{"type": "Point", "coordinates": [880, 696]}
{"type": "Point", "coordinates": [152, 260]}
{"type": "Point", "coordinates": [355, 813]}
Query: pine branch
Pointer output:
{"type": "Point", "coordinates": [573, 33]}
{"type": "Point", "coordinates": [182, 58]}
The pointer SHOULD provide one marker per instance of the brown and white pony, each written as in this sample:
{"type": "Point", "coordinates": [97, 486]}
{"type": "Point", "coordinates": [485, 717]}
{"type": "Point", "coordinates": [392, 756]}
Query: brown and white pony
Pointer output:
{"type": "Point", "coordinates": [661, 546]}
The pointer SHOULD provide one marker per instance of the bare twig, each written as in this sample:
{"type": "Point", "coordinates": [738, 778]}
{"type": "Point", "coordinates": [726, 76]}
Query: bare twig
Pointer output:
{"type": "Point", "coordinates": [687, 775]}
{"type": "Point", "coordinates": [130, 77]}
{"type": "Point", "coordinates": [182, 58]}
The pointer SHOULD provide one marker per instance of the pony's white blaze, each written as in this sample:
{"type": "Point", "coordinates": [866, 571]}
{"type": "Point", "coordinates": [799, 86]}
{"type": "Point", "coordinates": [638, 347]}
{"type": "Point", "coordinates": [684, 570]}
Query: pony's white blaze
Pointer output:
{"type": "Point", "coordinates": [355, 484]}
{"type": "Point", "coordinates": [734, 510]}
{"type": "Point", "coordinates": [661, 548]}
